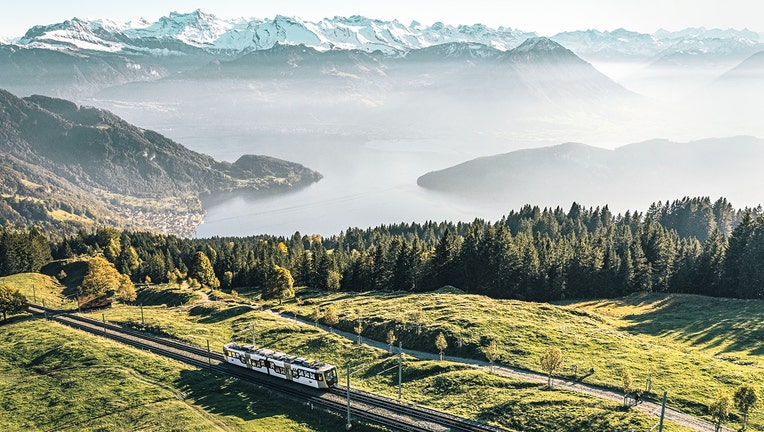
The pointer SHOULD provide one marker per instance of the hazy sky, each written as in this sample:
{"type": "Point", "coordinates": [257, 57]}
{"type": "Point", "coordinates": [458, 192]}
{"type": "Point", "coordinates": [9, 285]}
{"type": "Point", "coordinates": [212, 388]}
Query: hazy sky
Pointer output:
{"type": "Point", "coordinates": [543, 16]}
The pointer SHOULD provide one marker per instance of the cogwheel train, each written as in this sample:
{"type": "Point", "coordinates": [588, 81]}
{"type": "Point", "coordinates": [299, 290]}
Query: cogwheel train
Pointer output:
{"type": "Point", "coordinates": [297, 369]}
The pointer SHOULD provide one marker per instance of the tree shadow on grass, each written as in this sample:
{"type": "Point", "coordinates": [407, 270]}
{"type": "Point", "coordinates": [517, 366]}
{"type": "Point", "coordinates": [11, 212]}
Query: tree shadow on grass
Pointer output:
{"type": "Point", "coordinates": [248, 402]}
{"type": "Point", "coordinates": [715, 323]}
{"type": "Point", "coordinates": [224, 314]}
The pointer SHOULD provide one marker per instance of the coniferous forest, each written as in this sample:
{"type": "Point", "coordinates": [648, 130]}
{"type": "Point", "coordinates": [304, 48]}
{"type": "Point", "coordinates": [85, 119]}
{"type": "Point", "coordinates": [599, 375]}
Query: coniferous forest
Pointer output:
{"type": "Point", "coordinates": [691, 245]}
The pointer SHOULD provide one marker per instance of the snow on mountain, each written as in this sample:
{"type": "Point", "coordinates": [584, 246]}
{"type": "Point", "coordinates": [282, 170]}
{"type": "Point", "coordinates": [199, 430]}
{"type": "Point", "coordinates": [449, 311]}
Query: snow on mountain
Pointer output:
{"type": "Point", "coordinates": [201, 30]}
{"type": "Point", "coordinates": [713, 49]}
{"type": "Point", "coordinates": [689, 43]}
{"type": "Point", "coordinates": [195, 28]}
{"type": "Point", "coordinates": [187, 33]}
{"type": "Point", "coordinates": [611, 45]}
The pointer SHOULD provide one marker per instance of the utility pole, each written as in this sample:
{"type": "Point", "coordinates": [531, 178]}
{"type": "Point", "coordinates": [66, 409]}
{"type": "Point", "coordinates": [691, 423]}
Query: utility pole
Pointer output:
{"type": "Point", "coordinates": [400, 368]}
{"type": "Point", "coordinates": [663, 412]}
{"type": "Point", "coordinates": [347, 377]}
{"type": "Point", "coordinates": [253, 334]}
{"type": "Point", "coordinates": [209, 357]}
{"type": "Point", "coordinates": [78, 303]}
{"type": "Point", "coordinates": [103, 317]}
{"type": "Point", "coordinates": [34, 293]}
{"type": "Point", "coordinates": [141, 304]}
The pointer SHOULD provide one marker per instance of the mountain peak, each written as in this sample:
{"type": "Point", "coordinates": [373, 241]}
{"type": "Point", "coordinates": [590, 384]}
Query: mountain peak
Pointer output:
{"type": "Point", "coordinates": [539, 44]}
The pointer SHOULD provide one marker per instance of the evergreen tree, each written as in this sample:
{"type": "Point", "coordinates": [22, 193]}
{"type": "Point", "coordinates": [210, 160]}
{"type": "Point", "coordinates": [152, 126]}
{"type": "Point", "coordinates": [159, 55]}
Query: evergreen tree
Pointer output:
{"type": "Point", "coordinates": [734, 259]}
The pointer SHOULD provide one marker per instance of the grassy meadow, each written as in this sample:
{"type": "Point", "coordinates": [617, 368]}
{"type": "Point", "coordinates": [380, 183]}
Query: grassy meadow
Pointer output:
{"type": "Point", "coordinates": [689, 346]}
{"type": "Point", "coordinates": [448, 386]}
{"type": "Point", "coordinates": [57, 378]}
{"type": "Point", "coordinates": [645, 335]}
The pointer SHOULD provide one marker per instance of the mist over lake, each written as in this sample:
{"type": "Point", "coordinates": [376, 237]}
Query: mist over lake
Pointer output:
{"type": "Point", "coordinates": [366, 183]}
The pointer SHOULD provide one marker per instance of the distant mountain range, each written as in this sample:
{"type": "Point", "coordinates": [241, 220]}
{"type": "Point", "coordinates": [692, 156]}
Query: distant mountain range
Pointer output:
{"type": "Point", "coordinates": [79, 57]}
{"type": "Point", "coordinates": [622, 178]}
{"type": "Point", "coordinates": [69, 166]}
{"type": "Point", "coordinates": [443, 90]}
{"type": "Point", "coordinates": [189, 33]}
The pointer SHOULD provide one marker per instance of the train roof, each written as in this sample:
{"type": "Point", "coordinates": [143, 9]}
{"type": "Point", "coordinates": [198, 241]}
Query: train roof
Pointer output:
{"type": "Point", "coordinates": [286, 358]}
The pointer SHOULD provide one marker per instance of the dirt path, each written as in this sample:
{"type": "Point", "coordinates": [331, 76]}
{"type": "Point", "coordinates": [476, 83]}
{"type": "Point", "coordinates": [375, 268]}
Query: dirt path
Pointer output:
{"type": "Point", "coordinates": [647, 406]}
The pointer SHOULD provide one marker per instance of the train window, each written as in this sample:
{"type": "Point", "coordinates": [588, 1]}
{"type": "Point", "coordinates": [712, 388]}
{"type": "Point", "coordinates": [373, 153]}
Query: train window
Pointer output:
{"type": "Point", "coordinates": [319, 377]}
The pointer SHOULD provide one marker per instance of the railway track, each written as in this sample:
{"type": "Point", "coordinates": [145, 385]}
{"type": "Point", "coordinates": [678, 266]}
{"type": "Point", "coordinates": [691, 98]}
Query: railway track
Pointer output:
{"type": "Point", "coordinates": [366, 407]}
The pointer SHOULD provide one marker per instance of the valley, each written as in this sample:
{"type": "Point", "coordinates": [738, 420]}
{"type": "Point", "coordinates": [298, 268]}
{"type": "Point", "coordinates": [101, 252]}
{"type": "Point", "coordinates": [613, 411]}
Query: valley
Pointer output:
{"type": "Point", "coordinates": [514, 206]}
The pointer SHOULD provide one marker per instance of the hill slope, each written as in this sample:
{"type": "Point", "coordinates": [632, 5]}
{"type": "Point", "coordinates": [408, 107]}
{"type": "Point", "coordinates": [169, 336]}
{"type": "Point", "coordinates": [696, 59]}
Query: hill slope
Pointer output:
{"type": "Point", "coordinates": [60, 155]}
{"type": "Point", "coordinates": [621, 178]}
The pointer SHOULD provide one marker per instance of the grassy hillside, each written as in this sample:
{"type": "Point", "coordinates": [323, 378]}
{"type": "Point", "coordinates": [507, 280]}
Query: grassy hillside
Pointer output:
{"type": "Point", "coordinates": [729, 329]}
{"type": "Point", "coordinates": [690, 345]}
{"type": "Point", "coordinates": [41, 287]}
{"type": "Point", "coordinates": [56, 378]}
{"type": "Point", "coordinates": [449, 386]}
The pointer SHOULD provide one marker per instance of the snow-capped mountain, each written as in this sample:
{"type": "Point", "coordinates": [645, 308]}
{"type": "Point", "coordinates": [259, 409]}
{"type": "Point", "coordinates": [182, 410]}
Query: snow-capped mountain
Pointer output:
{"type": "Point", "coordinates": [682, 47]}
{"type": "Point", "coordinates": [218, 36]}
{"type": "Point", "coordinates": [198, 32]}
{"type": "Point", "coordinates": [709, 50]}
{"type": "Point", "coordinates": [611, 45]}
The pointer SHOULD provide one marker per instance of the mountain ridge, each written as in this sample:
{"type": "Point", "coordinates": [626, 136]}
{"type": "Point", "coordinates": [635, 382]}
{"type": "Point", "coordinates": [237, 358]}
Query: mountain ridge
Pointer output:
{"type": "Point", "coordinates": [200, 30]}
{"type": "Point", "coordinates": [558, 174]}
{"type": "Point", "coordinates": [122, 165]}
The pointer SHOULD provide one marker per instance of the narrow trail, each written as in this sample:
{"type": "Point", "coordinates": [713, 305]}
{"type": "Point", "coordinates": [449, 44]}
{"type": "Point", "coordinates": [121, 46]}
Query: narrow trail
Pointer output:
{"type": "Point", "coordinates": [647, 406]}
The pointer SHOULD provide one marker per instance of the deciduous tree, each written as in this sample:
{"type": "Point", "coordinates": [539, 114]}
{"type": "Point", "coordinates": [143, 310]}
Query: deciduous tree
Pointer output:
{"type": "Point", "coordinates": [359, 329]}
{"type": "Point", "coordinates": [316, 315]}
{"type": "Point", "coordinates": [627, 382]}
{"type": "Point", "coordinates": [101, 278]}
{"type": "Point", "coordinates": [390, 339]}
{"type": "Point", "coordinates": [278, 284]}
{"type": "Point", "coordinates": [201, 270]}
{"type": "Point", "coordinates": [11, 300]}
{"type": "Point", "coordinates": [492, 352]}
{"type": "Point", "coordinates": [550, 362]}
{"type": "Point", "coordinates": [441, 344]}
{"type": "Point", "coordinates": [330, 317]}
{"type": "Point", "coordinates": [720, 408]}
{"type": "Point", "coordinates": [746, 398]}
{"type": "Point", "coordinates": [125, 290]}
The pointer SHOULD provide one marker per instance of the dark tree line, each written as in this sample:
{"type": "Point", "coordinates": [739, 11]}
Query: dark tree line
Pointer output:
{"type": "Point", "coordinates": [686, 246]}
{"type": "Point", "coordinates": [23, 251]}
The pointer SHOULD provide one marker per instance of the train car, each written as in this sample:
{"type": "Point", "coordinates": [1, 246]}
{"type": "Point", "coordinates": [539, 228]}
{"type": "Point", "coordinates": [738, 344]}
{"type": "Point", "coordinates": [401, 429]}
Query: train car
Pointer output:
{"type": "Point", "coordinates": [297, 369]}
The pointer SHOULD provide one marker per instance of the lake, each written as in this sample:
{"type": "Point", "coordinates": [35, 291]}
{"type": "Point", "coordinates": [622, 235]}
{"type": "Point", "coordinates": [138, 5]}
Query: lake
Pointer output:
{"type": "Point", "coordinates": [367, 182]}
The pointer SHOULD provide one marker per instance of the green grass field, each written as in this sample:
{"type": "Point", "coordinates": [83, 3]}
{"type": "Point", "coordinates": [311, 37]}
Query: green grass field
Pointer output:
{"type": "Point", "coordinates": [56, 378]}
{"type": "Point", "coordinates": [662, 335]}
{"type": "Point", "coordinates": [691, 345]}
{"type": "Point", "coordinates": [448, 386]}
{"type": "Point", "coordinates": [43, 288]}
